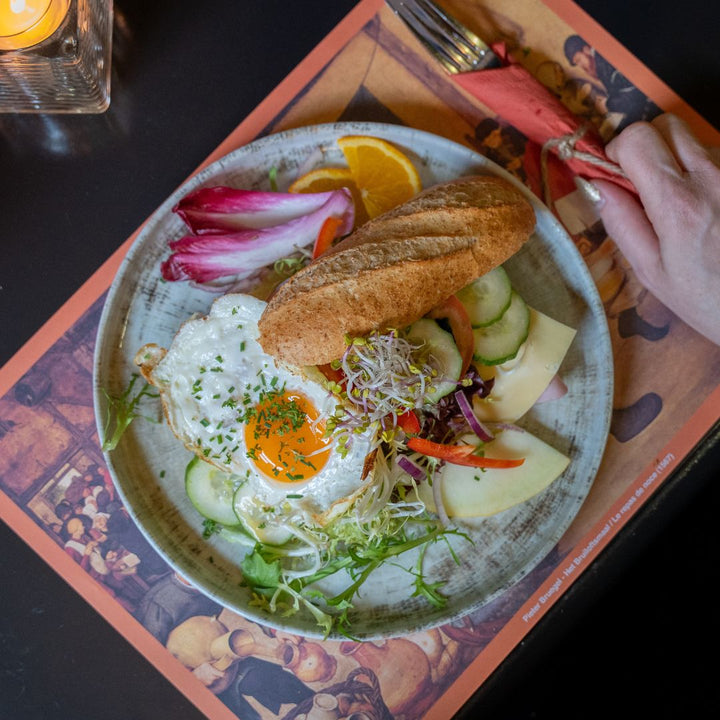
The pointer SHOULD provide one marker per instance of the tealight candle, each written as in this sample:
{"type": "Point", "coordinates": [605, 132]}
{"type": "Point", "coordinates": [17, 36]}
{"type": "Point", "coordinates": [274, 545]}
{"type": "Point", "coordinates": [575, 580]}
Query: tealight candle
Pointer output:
{"type": "Point", "coordinates": [55, 56]}
{"type": "Point", "coordinates": [24, 23]}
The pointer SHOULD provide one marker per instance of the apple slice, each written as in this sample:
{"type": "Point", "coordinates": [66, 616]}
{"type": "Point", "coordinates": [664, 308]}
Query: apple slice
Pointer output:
{"type": "Point", "coordinates": [470, 492]}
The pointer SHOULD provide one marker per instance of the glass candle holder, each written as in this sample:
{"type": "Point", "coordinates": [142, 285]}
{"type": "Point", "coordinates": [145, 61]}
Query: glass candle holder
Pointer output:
{"type": "Point", "coordinates": [55, 56]}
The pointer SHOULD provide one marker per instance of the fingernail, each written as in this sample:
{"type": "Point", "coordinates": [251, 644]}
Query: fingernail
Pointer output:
{"type": "Point", "coordinates": [589, 190]}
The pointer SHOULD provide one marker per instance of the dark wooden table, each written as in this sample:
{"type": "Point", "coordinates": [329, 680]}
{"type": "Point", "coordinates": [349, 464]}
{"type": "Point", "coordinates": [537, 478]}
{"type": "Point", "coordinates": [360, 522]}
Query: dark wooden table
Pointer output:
{"type": "Point", "coordinates": [631, 638]}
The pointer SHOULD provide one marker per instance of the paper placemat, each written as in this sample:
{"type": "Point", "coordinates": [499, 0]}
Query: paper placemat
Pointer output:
{"type": "Point", "coordinates": [52, 470]}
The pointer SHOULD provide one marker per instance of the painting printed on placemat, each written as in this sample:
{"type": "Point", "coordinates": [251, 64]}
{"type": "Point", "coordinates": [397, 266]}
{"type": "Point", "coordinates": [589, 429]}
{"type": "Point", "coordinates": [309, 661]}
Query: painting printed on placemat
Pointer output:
{"type": "Point", "coordinates": [52, 467]}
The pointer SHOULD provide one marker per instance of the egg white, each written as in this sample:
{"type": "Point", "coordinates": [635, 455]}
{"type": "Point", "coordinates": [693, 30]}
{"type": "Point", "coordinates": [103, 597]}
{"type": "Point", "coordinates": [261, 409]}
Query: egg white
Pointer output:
{"type": "Point", "coordinates": [213, 365]}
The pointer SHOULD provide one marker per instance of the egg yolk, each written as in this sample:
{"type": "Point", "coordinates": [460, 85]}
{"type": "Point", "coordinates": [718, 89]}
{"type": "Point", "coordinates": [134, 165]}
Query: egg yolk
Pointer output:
{"type": "Point", "coordinates": [284, 439]}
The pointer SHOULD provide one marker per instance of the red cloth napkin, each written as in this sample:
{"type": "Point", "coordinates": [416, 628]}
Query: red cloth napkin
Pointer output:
{"type": "Point", "coordinates": [526, 104]}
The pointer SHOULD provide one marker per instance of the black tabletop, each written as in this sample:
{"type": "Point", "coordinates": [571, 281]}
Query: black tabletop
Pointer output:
{"type": "Point", "coordinates": [630, 637]}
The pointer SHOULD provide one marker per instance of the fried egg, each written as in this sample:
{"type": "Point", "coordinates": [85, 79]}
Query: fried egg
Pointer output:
{"type": "Point", "coordinates": [236, 408]}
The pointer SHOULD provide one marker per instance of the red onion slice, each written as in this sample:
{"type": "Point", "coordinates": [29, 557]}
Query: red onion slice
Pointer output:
{"type": "Point", "coordinates": [412, 469]}
{"type": "Point", "coordinates": [475, 425]}
{"type": "Point", "coordinates": [555, 389]}
{"type": "Point", "coordinates": [420, 475]}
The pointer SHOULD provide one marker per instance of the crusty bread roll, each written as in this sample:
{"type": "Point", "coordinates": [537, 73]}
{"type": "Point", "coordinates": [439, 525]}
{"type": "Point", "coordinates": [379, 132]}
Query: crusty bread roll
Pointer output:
{"type": "Point", "coordinates": [395, 268]}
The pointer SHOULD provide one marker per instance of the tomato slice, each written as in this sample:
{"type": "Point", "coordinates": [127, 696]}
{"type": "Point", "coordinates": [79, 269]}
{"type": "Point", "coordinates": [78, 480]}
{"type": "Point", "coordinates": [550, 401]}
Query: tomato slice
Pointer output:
{"type": "Point", "coordinates": [460, 454]}
{"type": "Point", "coordinates": [328, 232]}
{"type": "Point", "coordinates": [409, 422]}
{"type": "Point", "coordinates": [456, 314]}
{"type": "Point", "coordinates": [332, 374]}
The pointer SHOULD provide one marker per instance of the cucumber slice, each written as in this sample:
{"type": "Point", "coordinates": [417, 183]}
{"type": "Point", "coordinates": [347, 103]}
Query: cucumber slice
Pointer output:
{"type": "Point", "coordinates": [211, 491]}
{"type": "Point", "coordinates": [499, 342]}
{"type": "Point", "coordinates": [487, 298]}
{"type": "Point", "coordinates": [237, 534]}
{"type": "Point", "coordinates": [442, 354]}
{"type": "Point", "coordinates": [258, 519]}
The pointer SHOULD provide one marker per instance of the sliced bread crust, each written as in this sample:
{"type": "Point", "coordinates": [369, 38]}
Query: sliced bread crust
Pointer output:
{"type": "Point", "coordinates": [396, 268]}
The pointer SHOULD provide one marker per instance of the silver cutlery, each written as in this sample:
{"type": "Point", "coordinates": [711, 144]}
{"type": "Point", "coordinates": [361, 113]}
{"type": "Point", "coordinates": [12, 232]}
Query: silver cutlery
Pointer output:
{"type": "Point", "coordinates": [457, 48]}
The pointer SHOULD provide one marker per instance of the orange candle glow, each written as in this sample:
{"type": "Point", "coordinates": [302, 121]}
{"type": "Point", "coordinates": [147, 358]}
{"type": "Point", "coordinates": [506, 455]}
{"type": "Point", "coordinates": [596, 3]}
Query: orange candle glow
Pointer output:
{"type": "Point", "coordinates": [27, 22]}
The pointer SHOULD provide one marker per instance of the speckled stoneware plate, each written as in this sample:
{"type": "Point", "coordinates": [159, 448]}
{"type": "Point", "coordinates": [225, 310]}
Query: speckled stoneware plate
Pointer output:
{"type": "Point", "coordinates": [148, 465]}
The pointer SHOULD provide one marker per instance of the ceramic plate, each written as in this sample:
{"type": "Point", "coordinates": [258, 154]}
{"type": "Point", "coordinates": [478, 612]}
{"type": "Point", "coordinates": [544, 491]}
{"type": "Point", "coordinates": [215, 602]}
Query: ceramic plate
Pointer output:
{"type": "Point", "coordinates": [148, 465]}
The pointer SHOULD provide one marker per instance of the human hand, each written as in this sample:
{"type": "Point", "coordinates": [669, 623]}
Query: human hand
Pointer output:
{"type": "Point", "coordinates": [671, 236]}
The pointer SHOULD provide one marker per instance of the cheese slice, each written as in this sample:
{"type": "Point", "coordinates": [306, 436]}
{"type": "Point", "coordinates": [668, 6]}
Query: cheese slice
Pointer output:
{"type": "Point", "coordinates": [521, 381]}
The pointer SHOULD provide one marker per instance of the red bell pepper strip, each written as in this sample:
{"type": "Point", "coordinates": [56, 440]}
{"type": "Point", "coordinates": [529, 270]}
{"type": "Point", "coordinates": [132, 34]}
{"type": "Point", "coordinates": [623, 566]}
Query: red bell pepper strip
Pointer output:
{"type": "Point", "coordinates": [409, 422]}
{"type": "Point", "coordinates": [459, 454]}
{"type": "Point", "coordinates": [328, 232]}
{"type": "Point", "coordinates": [456, 314]}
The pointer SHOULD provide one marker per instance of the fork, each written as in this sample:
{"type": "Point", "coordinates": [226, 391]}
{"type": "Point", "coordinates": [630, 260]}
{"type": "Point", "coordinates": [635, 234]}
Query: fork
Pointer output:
{"type": "Point", "coordinates": [457, 47]}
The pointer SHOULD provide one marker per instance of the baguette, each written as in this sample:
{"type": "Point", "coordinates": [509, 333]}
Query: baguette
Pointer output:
{"type": "Point", "coordinates": [395, 268]}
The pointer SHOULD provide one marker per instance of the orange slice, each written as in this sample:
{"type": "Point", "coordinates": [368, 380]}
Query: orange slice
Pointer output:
{"type": "Point", "coordinates": [385, 175]}
{"type": "Point", "coordinates": [379, 176]}
{"type": "Point", "coordinates": [325, 179]}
